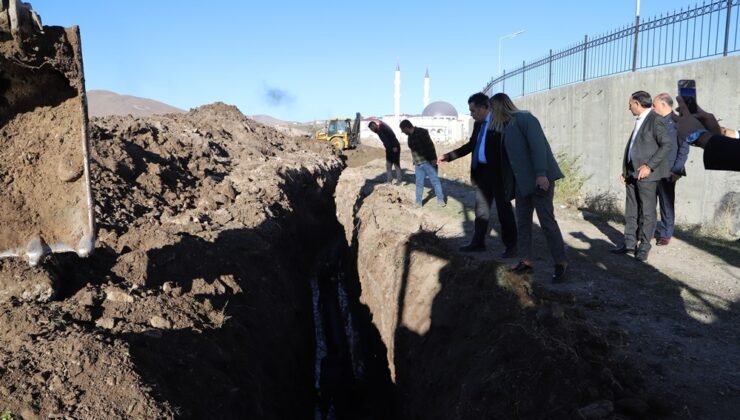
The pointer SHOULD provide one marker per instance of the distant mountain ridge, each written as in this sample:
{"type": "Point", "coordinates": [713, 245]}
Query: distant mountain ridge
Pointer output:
{"type": "Point", "coordinates": [101, 103]}
{"type": "Point", "coordinates": [270, 120]}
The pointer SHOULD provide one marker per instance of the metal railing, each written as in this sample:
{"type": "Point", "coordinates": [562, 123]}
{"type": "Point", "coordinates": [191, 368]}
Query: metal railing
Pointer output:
{"type": "Point", "coordinates": [703, 31]}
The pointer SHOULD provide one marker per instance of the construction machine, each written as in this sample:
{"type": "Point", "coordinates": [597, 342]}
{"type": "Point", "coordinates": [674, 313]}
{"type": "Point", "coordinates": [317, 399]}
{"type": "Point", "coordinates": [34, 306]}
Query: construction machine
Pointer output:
{"type": "Point", "coordinates": [343, 133]}
{"type": "Point", "coordinates": [46, 203]}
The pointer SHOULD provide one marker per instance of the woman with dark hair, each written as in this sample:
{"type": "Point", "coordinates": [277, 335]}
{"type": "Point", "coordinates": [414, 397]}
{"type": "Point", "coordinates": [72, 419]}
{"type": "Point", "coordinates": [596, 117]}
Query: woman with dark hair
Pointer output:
{"type": "Point", "coordinates": [530, 178]}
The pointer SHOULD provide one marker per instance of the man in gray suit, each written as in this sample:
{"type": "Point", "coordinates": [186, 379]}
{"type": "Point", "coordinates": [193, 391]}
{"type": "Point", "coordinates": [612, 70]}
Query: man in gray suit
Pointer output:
{"type": "Point", "coordinates": [645, 162]}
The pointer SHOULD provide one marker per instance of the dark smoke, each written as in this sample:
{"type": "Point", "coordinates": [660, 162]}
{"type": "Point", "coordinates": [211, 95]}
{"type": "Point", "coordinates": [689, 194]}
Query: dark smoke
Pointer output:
{"type": "Point", "coordinates": [277, 97]}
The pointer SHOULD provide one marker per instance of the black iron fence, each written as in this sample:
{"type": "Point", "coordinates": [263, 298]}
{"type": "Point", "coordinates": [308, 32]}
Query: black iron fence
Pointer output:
{"type": "Point", "coordinates": [706, 30]}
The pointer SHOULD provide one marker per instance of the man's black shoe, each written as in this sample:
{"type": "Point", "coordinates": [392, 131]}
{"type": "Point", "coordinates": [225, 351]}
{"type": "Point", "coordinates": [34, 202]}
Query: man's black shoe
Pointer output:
{"type": "Point", "coordinates": [473, 247]}
{"type": "Point", "coordinates": [509, 253]}
{"type": "Point", "coordinates": [622, 250]}
{"type": "Point", "coordinates": [522, 268]}
{"type": "Point", "coordinates": [560, 273]}
{"type": "Point", "coordinates": [641, 256]}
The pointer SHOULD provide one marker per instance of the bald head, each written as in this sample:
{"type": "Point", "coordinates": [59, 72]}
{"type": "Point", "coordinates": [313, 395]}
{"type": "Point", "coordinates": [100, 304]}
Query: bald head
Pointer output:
{"type": "Point", "coordinates": [663, 104]}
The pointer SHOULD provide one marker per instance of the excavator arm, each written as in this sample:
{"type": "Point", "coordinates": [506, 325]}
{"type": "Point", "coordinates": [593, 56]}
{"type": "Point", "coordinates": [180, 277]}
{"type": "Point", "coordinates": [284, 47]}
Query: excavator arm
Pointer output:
{"type": "Point", "coordinates": [45, 197]}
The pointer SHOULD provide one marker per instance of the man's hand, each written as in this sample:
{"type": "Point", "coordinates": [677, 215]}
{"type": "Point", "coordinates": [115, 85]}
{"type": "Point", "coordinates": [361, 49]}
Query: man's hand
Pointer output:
{"type": "Point", "coordinates": [621, 179]}
{"type": "Point", "coordinates": [675, 177]}
{"type": "Point", "coordinates": [689, 123]}
{"type": "Point", "coordinates": [643, 172]}
{"type": "Point", "coordinates": [543, 183]}
{"type": "Point", "coordinates": [442, 158]}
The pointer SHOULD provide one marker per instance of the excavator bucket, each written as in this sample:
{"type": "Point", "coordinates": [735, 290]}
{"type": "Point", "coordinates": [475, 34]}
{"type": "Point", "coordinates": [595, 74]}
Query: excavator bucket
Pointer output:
{"type": "Point", "coordinates": [45, 198]}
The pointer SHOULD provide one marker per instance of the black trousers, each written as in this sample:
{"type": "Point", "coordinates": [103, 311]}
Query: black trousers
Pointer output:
{"type": "Point", "coordinates": [639, 213]}
{"type": "Point", "coordinates": [489, 186]}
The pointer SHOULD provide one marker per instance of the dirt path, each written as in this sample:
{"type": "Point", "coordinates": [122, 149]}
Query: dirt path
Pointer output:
{"type": "Point", "coordinates": [678, 315]}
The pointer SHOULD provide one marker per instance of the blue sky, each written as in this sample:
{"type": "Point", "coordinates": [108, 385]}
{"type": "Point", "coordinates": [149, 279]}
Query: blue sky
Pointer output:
{"type": "Point", "coordinates": [305, 60]}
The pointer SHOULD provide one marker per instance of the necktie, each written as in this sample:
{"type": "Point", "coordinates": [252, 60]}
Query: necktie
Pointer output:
{"type": "Point", "coordinates": [633, 138]}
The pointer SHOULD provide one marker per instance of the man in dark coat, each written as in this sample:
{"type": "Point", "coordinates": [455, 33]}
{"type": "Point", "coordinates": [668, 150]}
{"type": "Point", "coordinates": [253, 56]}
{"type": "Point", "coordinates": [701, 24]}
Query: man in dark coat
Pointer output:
{"type": "Point", "coordinates": [487, 171]}
{"type": "Point", "coordinates": [645, 162]}
{"type": "Point", "coordinates": [392, 149]}
{"type": "Point", "coordinates": [424, 156]}
{"type": "Point", "coordinates": [663, 106]}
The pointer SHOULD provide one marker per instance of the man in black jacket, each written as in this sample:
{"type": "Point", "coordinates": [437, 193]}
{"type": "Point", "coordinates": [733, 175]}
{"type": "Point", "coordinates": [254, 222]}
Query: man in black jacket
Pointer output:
{"type": "Point", "coordinates": [392, 149]}
{"type": "Point", "coordinates": [644, 164]}
{"type": "Point", "coordinates": [663, 106]}
{"type": "Point", "coordinates": [487, 169]}
{"type": "Point", "coordinates": [424, 157]}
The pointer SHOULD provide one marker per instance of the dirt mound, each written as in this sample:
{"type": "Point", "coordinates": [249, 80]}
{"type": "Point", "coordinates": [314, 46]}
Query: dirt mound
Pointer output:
{"type": "Point", "coordinates": [466, 339]}
{"type": "Point", "coordinates": [195, 302]}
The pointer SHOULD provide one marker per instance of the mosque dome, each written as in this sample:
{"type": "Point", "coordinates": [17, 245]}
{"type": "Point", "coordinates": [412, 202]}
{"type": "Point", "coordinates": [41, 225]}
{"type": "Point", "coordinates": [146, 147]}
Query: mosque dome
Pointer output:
{"type": "Point", "coordinates": [439, 109]}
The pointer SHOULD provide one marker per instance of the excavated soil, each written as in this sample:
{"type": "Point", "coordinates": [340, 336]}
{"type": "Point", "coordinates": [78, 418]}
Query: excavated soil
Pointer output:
{"type": "Point", "coordinates": [464, 338]}
{"type": "Point", "coordinates": [197, 301]}
{"type": "Point", "coordinates": [41, 154]}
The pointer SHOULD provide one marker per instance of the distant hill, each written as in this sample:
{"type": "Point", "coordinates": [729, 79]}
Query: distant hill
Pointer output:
{"type": "Point", "coordinates": [102, 102]}
{"type": "Point", "coordinates": [290, 127]}
{"type": "Point", "coordinates": [271, 121]}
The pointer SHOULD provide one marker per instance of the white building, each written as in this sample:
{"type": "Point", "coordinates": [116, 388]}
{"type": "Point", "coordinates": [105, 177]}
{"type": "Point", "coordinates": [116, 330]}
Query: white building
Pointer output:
{"type": "Point", "coordinates": [444, 123]}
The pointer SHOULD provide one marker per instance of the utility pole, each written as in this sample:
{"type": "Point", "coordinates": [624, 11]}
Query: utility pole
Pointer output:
{"type": "Point", "coordinates": [512, 35]}
{"type": "Point", "coordinates": [637, 34]}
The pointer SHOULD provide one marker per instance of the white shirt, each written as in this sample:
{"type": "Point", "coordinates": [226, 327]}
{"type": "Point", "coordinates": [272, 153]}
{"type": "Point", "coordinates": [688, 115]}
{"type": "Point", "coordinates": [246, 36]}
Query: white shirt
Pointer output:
{"type": "Point", "coordinates": [638, 124]}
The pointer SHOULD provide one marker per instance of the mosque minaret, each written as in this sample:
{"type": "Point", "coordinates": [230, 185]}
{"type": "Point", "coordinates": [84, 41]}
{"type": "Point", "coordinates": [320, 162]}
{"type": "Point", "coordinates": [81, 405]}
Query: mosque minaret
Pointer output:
{"type": "Point", "coordinates": [397, 93]}
{"type": "Point", "coordinates": [426, 89]}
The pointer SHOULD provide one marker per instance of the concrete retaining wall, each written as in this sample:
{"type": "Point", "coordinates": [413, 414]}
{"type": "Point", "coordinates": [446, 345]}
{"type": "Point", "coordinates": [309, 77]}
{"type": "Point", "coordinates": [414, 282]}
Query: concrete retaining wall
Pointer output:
{"type": "Point", "coordinates": [591, 121]}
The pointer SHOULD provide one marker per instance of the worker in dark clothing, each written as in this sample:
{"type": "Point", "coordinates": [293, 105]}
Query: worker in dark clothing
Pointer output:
{"type": "Point", "coordinates": [392, 149]}
{"type": "Point", "coordinates": [424, 157]}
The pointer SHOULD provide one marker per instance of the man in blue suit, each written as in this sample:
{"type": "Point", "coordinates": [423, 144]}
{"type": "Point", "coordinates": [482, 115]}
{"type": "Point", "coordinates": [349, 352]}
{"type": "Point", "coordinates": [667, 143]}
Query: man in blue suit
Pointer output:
{"type": "Point", "coordinates": [487, 170]}
{"type": "Point", "coordinates": [663, 106]}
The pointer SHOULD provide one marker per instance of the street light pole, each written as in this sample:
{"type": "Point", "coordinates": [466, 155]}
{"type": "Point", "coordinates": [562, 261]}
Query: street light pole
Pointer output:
{"type": "Point", "coordinates": [637, 34]}
{"type": "Point", "coordinates": [512, 35]}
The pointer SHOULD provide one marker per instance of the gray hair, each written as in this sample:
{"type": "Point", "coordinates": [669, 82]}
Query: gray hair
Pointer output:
{"type": "Point", "coordinates": [664, 97]}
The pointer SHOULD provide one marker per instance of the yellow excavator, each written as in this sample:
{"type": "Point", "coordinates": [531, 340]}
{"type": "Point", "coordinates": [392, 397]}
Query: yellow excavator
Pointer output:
{"type": "Point", "coordinates": [46, 203]}
{"type": "Point", "coordinates": [342, 133]}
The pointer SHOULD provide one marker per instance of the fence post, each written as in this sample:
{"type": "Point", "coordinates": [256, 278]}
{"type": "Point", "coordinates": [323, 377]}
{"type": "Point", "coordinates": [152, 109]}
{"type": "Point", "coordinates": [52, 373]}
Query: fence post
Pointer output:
{"type": "Point", "coordinates": [634, 49]}
{"type": "Point", "coordinates": [585, 54]}
{"type": "Point", "coordinates": [549, 78]}
{"type": "Point", "coordinates": [727, 27]}
{"type": "Point", "coordinates": [524, 63]}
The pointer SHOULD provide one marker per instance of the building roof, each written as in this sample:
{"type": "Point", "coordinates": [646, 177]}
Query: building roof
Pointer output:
{"type": "Point", "coordinates": [439, 109]}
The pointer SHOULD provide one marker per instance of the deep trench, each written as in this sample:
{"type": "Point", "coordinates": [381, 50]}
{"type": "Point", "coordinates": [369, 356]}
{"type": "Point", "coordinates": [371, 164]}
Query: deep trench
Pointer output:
{"type": "Point", "coordinates": [352, 379]}
{"type": "Point", "coordinates": [308, 262]}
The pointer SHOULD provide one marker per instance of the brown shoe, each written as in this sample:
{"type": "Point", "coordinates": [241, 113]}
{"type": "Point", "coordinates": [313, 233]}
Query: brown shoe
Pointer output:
{"type": "Point", "coordinates": [663, 241]}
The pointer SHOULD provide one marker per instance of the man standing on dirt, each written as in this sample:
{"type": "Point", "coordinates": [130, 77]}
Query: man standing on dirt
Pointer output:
{"type": "Point", "coordinates": [486, 171]}
{"type": "Point", "coordinates": [392, 149]}
{"type": "Point", "coordinates": [663, 106]}
{"type": "Point", "coordinates": [424, 156]}
{"type": "Point", "coordinates": [645, 162]}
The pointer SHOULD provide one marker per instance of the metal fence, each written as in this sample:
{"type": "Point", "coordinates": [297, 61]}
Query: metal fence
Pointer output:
{"type": "Point", "coordinates": [706, 30]}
